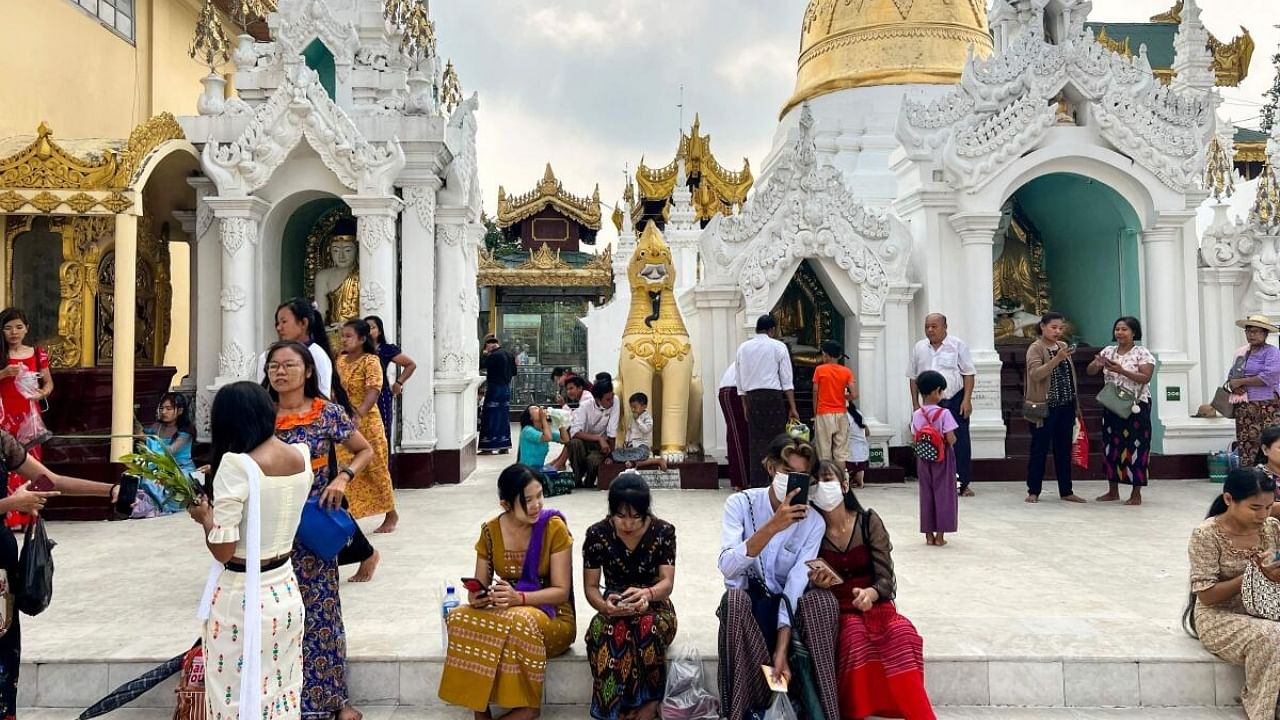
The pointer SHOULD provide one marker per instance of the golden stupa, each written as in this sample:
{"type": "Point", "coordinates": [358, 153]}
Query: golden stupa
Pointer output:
{"type": "Point", "coordinates": [856, 43]}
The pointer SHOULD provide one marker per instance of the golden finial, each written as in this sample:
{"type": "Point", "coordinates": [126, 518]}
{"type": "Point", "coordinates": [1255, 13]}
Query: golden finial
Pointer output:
{"type": "Point", "coordinates": [451, 88]}
{"type": "Point", "coordinates": [1219, 176]}
{"type": "Point", "coordinates": [418, 33]}
{"type": "Point", "coordinates": [1266, 206]}
{"type": "Point", "coordinates": [210, 45]}
{"type": "Point", "coordinates": [617, 218]}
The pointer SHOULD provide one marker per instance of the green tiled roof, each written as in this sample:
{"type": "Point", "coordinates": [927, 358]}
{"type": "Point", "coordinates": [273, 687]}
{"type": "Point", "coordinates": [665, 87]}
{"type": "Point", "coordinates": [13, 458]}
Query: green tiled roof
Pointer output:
{"type": "Point", "coordinates": [1158, 37]}
{"type": "Point", "coordinates": [515, 258]}
{"type": "Point", "coordinates": [1247, 135]}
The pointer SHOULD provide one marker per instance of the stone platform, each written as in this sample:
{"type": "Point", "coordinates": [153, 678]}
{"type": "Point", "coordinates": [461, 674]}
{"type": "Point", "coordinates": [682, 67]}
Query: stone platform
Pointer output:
{"type": "Point", "coordinates": [1028, 605]}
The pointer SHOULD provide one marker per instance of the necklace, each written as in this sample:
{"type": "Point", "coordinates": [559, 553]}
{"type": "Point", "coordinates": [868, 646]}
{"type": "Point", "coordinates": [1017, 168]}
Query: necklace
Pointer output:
{"type": "Point", "coordinates": [842, 532]}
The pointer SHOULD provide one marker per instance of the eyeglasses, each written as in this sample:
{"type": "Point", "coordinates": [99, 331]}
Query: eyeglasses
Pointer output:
{"type": "Point", "coordinates": [286, 367]}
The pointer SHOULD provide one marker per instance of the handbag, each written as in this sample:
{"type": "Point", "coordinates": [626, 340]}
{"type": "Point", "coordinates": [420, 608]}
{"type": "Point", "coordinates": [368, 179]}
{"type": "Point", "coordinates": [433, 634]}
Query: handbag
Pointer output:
{"type": "Point", "coordinates": [1260, 594]}
{"type": "Point", "coordinates": [1122, 402]}
{"type": "Point", "coordinates": [1222, 402]}
{"type": "Point", "coordinates": [1035, 412]}
{"type": "Point", "coordinates": [804, 676]}
{"type": "Point", "coordinates": [35, 569]}
{"type": "Point", "coordinates": [325, 531]}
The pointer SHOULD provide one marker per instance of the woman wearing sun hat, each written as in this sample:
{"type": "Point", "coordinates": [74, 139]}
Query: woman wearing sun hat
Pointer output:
{"type": "Point", "coordinates": [1255, 383]}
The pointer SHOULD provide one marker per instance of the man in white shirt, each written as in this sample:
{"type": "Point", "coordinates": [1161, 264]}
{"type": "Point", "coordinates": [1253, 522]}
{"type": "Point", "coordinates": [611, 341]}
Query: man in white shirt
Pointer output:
{"type": "Point", "coordinates": [948, 355]}
{"type": "Point", "coordinates": [767, 391]}
{"type": "Point", "coordinates": [592, 430]}
{"type": "Point", "coordinates": [735, 421]}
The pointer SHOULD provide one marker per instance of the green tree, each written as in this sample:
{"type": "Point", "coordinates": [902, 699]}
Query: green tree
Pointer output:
{"type": "Point", "coordinates": [494, 240]}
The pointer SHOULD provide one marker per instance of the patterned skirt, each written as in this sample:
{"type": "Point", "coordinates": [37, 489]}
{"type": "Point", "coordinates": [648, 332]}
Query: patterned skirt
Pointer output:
{"type": "Point", "coordinates": [324, 648]}
{"type": "Point", "coordinates": [500, 656]}
{"type": "Point", "coordinates": [628, 658]}
{"type": "Point", "coordinates": [1126, 446]}
{"type": "Point", "coordinates": [881, 666]}
{"type": "Point", "coordinates": [1251, 418]}
{"type": "Point", "coordinates": [282, 623]}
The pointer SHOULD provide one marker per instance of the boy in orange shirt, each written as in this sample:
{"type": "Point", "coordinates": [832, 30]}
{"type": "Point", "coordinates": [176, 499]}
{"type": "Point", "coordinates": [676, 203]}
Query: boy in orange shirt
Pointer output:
{"type": "Point", "coordinates": [833, 388]}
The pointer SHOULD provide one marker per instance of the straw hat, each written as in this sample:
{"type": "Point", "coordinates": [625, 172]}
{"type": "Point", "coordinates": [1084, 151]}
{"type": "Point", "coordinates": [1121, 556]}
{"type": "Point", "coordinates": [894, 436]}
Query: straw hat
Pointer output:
{"type": "Point", "coordinates": [1258, 321]}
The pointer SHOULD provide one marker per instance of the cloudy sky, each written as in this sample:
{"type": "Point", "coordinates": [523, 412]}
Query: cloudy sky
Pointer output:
{"type": "Point", "coordinates": [594, 85]}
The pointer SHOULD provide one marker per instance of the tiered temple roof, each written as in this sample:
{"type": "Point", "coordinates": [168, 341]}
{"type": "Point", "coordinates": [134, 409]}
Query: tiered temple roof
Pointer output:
{"type": "Point", "coordinates": [715, 189]}
{"type": "Point", "coordinates": [1230, 60]}
{"type": "Point", "coordinates": [550, 192]}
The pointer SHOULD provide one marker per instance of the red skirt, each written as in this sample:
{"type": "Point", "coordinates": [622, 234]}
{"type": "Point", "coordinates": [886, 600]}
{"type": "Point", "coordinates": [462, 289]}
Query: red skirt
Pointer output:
{"type": "Point", "coordinates": [881, 666]}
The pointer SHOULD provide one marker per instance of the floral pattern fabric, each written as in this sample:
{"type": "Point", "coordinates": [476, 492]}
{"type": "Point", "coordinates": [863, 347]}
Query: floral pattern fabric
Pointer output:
{"type": "Point", "coordinates": [370, 492]}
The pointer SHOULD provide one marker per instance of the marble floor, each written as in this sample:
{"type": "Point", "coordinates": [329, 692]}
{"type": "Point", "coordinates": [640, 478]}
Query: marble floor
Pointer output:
{"type": "Point", "coordinates": [1051, 581]}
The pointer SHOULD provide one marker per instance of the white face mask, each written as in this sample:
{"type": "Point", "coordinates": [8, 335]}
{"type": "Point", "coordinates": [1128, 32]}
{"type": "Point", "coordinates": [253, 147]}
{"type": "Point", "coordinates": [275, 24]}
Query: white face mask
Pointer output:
{"type": "Point", "coordinates": [780, 486]}
{"type": "Point", "coordinates": [828, 496]}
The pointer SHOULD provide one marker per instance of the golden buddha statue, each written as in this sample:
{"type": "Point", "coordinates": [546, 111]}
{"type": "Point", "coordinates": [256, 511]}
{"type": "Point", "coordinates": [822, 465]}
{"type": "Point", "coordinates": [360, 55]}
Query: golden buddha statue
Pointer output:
{"type": "Point", "coordinates": [801, 324]}
{"type": "Point", "coordinates": [337, 287]}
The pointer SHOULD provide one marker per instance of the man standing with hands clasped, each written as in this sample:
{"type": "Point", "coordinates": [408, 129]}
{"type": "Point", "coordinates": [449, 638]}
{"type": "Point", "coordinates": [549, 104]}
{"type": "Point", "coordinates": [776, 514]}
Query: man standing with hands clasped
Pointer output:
{"type": "Point", "coordinates": [948, 355]}
{"type": "Point", "coordinates": [768, 394]}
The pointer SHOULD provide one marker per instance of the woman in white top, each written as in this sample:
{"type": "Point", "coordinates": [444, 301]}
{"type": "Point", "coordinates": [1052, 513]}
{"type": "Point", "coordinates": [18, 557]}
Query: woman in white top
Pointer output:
{"type": "Point", "coordinates": [252, 601]}
{"type": "Point", "coordinates": [299, 321]}
{"type": "Point", "coordinates": [1126, 442]}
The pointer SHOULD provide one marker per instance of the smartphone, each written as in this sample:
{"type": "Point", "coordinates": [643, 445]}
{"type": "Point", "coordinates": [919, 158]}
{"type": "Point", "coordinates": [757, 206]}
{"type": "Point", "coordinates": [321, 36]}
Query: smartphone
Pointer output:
{"type": "Point", "coordinates": [42, 484]}
{"type": "Point", "coordinates": [128, 495]}
{"type": "Point", "coordinates": [801, 481]}
{"type": "Point", "coordinates": [820, 564]}
{"type": "Point", "coordinates": [475, 586]}
{"type": "Point", "coordinates": [1073, 347]}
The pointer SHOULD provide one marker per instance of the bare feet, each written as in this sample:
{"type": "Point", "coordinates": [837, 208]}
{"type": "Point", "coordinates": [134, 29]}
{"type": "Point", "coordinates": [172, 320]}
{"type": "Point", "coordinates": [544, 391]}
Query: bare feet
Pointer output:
{"type": "Point", "coordinates": [1073, 498]}
{"type": "Point", "coordinates": [939, 542]}
{"type": "Point", "coordinates": [365, 572]}
{"type": "Point", "coordinates": [389, 523]}
{"type": "Point", "coordinates": [348, 712]}
{"type": "Point", "coordinates": [966, 491]}
{"type": "Point", "coordinates": [522, 714]}
{"type": "Point", "coordinates": [928, 538]}
{"type": "Point", "coordinates": [1032, 498]}
{"type": "Point", "coordinates": [1134, 500]}
{"type": "Point", "coordinates": [662, 463]}
{"type": "Point", "coordinates": [1108, 497]}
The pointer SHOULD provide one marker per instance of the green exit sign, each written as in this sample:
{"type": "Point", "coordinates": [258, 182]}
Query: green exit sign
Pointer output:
{"type": "Point", "coordinates": [876, 457]}
{"type": "Point", "coordinates": [1173, 393]}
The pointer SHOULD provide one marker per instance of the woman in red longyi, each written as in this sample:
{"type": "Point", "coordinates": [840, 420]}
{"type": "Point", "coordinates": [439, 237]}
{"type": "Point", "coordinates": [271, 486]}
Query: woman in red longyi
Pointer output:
{"type": "Point", "coordinates": [879, 654]}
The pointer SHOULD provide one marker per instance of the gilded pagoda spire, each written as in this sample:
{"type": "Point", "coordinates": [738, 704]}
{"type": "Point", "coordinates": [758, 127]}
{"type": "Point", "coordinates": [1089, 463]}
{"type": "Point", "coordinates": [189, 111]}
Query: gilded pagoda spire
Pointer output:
{"type": "Point", "coordinates": [549, 192]}
{"type": "Point", "coordinates": [716, 190]}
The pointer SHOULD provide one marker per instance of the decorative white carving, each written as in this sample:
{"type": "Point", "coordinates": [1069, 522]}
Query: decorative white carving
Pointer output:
{"type": "Point", "coordinates": [423, 426]}
{"type": "Point", "coordinates": [375, 231]}
{"type": "Point", "coordinates": [803, 210]}
{"type": "Point", "coordinates": [300, 108]}
{"type": "Point", "coordinates": [204, 217]}
{"type": "Point", "coordinates": [463, 181]}
{"type": "Point", "coordinates": [373, 298]}
{"type": "Point", "coordinates": [452, 359]}
{"type": "Point", "coordinates": [232, 298]}
{"type": "Point", "coordinates": [1005, 105]}
{"type": "Point", "coordinates": [204, 423]}
{"type": "Point", "coordinates": [236, 232]}
{"type": "Point", "coordinates": [298, 22]}
{"type": "Point", "coordinates": [234, 361]}
{"type": "Point", "coordinates": [451, 234]}
{"type": "Point", "coordinates": [422, 200]}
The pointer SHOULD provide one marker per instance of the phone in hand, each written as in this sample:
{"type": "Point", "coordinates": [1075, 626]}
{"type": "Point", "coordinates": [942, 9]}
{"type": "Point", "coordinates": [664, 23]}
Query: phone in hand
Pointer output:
{"type": "Point", "coordinates": [798, 481]}
{"type": "Point", "coordinates": [820, 564]}
{"type": "Point", "coordinates": [42, 484]}
{"type": "Point", "coordinates": [474, 585]}
{"type": "Point", "coordinates": [128, 495]}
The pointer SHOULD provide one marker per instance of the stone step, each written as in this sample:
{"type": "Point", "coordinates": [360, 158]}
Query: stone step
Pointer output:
{"type": "Point", "coordinates": [1023, 682]}
{"type": "Point", "coordinates": [577, 712]}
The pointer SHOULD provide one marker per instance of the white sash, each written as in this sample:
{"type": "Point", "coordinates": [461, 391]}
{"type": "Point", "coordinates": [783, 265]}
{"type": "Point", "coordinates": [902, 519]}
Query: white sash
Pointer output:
{"type": "Point", "coordinates": [250, 692]}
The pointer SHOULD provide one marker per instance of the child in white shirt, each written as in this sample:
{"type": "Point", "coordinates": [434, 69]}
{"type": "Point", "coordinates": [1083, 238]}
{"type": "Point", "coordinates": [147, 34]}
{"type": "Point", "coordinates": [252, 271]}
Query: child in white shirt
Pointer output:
{"type": "Point", "coordinates": [638, 453]}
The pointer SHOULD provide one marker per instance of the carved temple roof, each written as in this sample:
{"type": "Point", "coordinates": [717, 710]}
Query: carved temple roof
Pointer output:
{"type": "Point", "coordinates": [1230, 60]}
{"type": "Point", "coordinates": [717, 190]}
{"type": "Point", "coordinates": [1250, 145]}
{"type": "Point", "coordinates": [550, 192]}
{"type": "Point", "coordinates": [546, 268]}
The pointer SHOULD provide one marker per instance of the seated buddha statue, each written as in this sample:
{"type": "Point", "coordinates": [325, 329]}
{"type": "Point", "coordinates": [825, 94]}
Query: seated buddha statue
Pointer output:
{"type": "Point", "coordinates": [798, 325]}
{"type": "Point", "coordinates": [337, 287]}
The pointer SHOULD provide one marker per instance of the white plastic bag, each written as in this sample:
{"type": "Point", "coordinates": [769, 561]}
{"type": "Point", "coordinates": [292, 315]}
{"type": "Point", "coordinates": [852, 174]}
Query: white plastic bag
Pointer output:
{"type": "Point", "coordinates": [859, 447]}
{"type": "Point", "coordinates": [28, 383]}
{"type": "Point", "coordinates": [780, 709]}
{"type": "Point", "coordinates": [32, 431]}
{"type": "Point", "coordinates": [687, 697]}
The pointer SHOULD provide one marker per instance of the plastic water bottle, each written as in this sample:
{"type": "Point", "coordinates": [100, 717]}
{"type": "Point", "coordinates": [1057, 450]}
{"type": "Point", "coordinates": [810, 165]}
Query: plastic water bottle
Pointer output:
{"type": "Point", "coordinates": [447, 606]}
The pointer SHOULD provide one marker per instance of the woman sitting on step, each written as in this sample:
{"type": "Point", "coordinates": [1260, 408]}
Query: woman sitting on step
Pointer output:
{"type": "Point", "coordinates": [635, 622]}
{"type": "Point", "coordinates": [500, 642]}
{"type": "Point", "coordinates": [1236, 546]}
{"type": "Point", "coordinates": [879, 654]}
{"type": "Point", "coordinates": [765, 541]}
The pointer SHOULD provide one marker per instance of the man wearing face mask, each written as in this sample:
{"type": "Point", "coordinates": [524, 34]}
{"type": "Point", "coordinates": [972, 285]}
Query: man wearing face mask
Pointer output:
{"type": "Point", "coordinates": [765, 541]}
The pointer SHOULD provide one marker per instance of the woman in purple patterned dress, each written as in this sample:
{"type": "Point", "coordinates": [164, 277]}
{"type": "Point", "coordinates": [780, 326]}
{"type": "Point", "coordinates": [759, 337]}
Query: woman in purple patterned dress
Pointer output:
{"type": "Point", "coordinates": [388, 353]}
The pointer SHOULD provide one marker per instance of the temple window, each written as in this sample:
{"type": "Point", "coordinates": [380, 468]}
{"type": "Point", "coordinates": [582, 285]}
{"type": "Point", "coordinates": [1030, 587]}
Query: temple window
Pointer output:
{"type": "Point", "coordinates": [115, 14]}
{"type": "Point", "coordinates": [319, 58]}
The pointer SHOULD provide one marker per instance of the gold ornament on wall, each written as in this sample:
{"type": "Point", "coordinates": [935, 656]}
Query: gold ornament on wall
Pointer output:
{"type": "Point", "coordinates": [210, 45]}
{"type": "Point", "coordinates": [450, 88]}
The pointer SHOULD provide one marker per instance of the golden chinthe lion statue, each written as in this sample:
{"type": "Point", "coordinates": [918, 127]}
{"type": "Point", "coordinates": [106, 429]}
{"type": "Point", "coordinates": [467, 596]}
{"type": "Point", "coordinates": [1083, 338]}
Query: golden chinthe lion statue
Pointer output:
{"type": "Point", "coordinates": [656, 355]}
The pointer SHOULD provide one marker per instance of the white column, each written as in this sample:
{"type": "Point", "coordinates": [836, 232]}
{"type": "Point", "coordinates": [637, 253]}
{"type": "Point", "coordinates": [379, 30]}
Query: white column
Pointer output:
{"type": "Point", "coordinates": [206, 283]}
{"type": "Point", "coordinates": [238, 297]}
{"type": "Point", "coordinates": [376, 233]}
{"type": "Point", "coordinates": [125, 316]}
{"type": "Point", "coordinates": [1162, 296]}
{"type": "Point", "coordinates": [457, 347]}
{"type": "Point", "coordinates": [717, 334]}
{"type": "Point", "coordinates": [977, 239]}
{"type": "Point", "coordinates": [1220, 290]}
{"type": "Point", "coordinates": [872, 399]}
{"type": "Point", "coordinates": [417, 317]}
{"type": "Point", "coordinates": [897, 345]}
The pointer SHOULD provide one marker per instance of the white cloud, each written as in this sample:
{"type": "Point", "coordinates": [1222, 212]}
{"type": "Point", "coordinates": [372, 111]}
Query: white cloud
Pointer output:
{"type": "Point", "coordinates": [747, 67]}
{"type": "Point", "coordinates": [578, 28]}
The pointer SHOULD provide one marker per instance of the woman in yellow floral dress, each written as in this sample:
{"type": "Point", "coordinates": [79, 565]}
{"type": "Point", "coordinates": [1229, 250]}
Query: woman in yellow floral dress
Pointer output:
{"type": "Point", "coordinates": [370, 493]}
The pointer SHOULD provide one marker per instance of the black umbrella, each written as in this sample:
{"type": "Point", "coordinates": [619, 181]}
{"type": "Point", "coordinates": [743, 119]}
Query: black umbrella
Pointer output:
{"type": "Point", "coordinates": [133, 689]}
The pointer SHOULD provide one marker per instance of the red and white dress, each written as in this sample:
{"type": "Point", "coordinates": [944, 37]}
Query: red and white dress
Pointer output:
{"type": "Point", "coordinates": [17, 407]}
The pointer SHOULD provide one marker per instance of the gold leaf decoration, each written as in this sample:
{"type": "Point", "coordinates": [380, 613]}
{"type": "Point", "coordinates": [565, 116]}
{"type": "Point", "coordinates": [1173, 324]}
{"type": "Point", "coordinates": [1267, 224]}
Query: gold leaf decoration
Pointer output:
{"type": "Point", "coordinates": [451, 88]}
{"type": "Point", "coordinates": [45, 201]}
{"type": "Point", "coordinates": [80, 202]}
{"type": "Point", "coordinates": [117, 203]}
{"type": "Point", "coordinates": [550, 192]}
{"type": "Point", "coordinates": [45, 165]}
{"type": "Point", "coordinates": [210, 45]}
{"type": "Point", "coordinates": [10, 201]}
